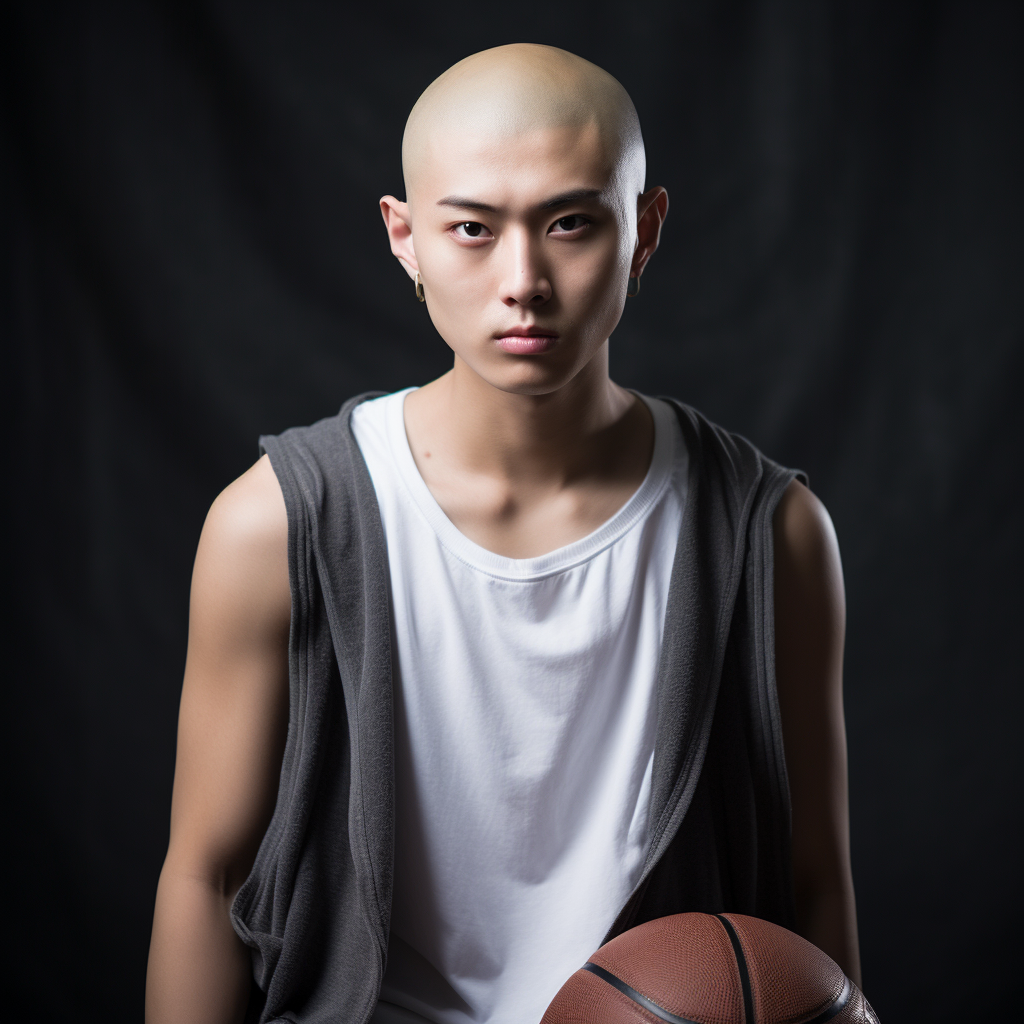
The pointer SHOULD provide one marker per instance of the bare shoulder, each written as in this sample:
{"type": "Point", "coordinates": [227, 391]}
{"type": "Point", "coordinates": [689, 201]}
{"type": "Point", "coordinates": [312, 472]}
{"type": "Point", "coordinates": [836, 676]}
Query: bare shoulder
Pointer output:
{"type": "Point", "coordinates": [810, 603]}
{"type": "Point", "coordinates": [802, 523]}
{"type": "Point", "coordinates": [807, 559]}
{"type": "Point", "coordinates": [241, 567]}
{"type": "Point", "coordinates": [249, 514]}
{"type": "Point", "coordinates": [246, 530]}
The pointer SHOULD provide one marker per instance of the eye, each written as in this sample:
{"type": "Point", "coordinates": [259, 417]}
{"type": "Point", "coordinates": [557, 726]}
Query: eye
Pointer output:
{"type": "Point", "coordinates": [566, 225]}
{"type": "Point", "coordinates": [470, 229]}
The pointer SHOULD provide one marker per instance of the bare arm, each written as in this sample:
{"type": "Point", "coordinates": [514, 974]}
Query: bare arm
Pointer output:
{"type": "Point", "coordinates": [810, 626]}
{"type": "Point", "coordinates": [231, 732]}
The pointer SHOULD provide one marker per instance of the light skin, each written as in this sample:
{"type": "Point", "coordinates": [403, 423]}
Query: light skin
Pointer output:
{"type": "Point", "coordinates": [519, 217]}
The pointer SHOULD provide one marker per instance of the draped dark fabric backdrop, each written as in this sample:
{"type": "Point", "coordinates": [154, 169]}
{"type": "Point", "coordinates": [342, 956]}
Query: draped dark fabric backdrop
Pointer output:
{"type": "Point", "coordinates": [195, 257]}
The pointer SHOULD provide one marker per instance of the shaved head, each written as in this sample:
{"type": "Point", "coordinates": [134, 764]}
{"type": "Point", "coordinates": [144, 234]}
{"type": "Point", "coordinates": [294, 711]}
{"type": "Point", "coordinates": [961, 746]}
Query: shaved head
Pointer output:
{"type": "Point", "coordinates": [517, 89]}
{"type": "Point", "coordinates": [525, 210]}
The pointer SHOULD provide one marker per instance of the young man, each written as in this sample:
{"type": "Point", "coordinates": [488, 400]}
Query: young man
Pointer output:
{"type": "Point", "coordinates": [484, 672]}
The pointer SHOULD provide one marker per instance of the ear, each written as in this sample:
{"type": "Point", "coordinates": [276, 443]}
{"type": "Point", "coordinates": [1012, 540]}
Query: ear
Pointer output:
{"type": "Point", "coordinates": [399, 225]}
{"type": "Point", "coordinates": [651, 211]}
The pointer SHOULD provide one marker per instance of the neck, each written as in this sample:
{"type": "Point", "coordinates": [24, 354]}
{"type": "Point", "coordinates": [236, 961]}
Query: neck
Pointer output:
{"type": "Point", "coordinates": [519, 437]}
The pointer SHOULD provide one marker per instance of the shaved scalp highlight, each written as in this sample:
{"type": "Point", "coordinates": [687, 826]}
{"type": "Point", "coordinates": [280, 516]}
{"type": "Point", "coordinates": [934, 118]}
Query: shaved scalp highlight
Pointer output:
{"type": "Point", "coordinates": [518, 88]}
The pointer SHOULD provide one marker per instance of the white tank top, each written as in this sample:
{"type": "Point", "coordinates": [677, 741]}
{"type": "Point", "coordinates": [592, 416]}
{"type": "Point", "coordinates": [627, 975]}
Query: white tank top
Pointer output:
{"type": "Point", "coordinates": [524, 735]}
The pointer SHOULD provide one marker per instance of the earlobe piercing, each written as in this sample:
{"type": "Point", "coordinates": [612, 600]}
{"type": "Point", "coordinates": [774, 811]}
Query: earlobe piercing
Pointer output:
{"type": "Point", "coordinates": [419, 288]}
{"type": "Point", "coordinates": [633, 286]}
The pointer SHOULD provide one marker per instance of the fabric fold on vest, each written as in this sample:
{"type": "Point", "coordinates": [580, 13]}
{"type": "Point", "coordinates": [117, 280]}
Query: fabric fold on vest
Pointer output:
{"type": "Point", "coordinates": [316, 905]}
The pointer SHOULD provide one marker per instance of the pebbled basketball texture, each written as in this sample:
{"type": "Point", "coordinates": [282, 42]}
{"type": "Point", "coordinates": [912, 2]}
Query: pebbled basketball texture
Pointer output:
{"type": "Point", "coordinates": [709, 969]}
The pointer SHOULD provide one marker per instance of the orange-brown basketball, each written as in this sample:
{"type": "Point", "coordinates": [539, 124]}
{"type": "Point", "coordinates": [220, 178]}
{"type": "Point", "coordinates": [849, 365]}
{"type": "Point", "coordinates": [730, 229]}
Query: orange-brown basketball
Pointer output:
{"type": "Point", "coordinates": [709, 969]}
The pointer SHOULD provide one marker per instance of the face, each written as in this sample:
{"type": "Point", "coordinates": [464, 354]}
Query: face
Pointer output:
{"type": "Point", "coordinates": [524, 246]}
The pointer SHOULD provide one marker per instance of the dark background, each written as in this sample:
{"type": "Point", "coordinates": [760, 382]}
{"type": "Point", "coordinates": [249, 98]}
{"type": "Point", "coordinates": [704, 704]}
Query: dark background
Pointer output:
{"type": "Point", "coordinates": [195, 257]}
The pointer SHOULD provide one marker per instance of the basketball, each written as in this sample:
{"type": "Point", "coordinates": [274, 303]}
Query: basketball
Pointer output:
{"type": "Point", "coordinates": [709, 969]}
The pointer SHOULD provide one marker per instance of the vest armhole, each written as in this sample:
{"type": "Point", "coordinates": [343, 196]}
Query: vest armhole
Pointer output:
{"type": "Point", "coordinates": [259, 907]}
{"type": "Point", "coordinates": [761, 594]}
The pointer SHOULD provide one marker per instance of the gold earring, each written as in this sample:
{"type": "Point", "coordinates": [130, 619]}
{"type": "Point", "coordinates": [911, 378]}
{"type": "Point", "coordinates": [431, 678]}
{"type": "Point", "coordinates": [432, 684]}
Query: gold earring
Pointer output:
{"type": "Point", "coordinates": [419, 288]}
{"type": "Point", "coordinates": [633, 286]}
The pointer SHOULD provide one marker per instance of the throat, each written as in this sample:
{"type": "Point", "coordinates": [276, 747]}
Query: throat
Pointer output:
{"type": "Point", "coordinates": [527, 500]}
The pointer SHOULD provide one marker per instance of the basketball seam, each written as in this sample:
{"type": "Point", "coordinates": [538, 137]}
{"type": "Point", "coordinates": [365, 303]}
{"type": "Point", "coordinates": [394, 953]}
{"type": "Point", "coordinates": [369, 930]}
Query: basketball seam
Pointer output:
{"type": "Point", "coordinates": [741, 963]}
{"type": "Point", "coordinates": [837, 1006]}
{"type": "Point", "coordinates": [638, 997]}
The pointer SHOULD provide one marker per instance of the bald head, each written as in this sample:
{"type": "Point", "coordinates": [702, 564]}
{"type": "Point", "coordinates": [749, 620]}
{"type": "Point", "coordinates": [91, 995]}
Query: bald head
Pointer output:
{"type": "Point", "coordinates": [520, 88]}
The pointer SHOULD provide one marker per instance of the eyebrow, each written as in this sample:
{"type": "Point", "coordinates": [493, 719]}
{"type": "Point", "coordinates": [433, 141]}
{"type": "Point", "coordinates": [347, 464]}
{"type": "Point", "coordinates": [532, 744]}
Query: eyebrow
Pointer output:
{"type": "Point", "coordinates": [576, 195]}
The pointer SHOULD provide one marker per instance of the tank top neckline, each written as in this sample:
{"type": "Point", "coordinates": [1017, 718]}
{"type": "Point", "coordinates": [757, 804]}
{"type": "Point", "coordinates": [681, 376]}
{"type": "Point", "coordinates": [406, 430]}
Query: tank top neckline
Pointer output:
{"type": "Point", "coordinates": [561, 559]}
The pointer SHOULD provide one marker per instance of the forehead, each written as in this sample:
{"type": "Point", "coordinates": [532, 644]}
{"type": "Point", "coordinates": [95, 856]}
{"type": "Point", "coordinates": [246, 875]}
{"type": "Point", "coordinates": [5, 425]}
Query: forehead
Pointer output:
{"type": "Point", "coordinates": [512, 168]}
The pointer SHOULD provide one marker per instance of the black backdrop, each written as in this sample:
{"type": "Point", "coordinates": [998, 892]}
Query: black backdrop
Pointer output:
{"type": "Point", "coordinates": [195, 257]}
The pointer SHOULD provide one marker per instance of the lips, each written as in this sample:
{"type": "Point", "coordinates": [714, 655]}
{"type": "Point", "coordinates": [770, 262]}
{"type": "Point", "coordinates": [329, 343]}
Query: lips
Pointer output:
{"type": "Point", "coordinates": [526, 341]}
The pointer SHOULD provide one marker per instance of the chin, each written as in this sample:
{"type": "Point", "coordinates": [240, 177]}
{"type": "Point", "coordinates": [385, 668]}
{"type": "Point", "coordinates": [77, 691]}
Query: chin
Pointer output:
{"type": "Point", "coordinates": [546, 388]}
{"type": "Point", "coordinates": [530, 375]}
{"type": "Point", "coordinates": [525, 381]}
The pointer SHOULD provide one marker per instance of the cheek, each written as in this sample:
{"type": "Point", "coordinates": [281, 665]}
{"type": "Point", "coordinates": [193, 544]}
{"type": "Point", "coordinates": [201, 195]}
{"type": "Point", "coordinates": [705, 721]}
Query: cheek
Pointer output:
{"type": "Point", "coordinates": [608, 265]}
{"type": "Point", "coordinates": [596, 285]}
{"type": "Point", "coordinates": [457, 286]}
{"type": "Point", "coordinates": [603, 260]}
{"type": "Point", "coordinates": [451, 268]}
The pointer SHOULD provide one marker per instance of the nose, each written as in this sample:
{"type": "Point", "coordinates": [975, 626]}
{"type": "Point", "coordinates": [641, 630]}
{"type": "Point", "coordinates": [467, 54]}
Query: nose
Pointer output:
{"type": "Point", "coordinates": [525, 273]}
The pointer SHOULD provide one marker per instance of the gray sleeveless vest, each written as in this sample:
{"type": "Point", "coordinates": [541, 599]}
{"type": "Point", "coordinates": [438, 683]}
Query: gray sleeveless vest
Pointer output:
{"type": "Point", "coordinates": [315, 909]}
